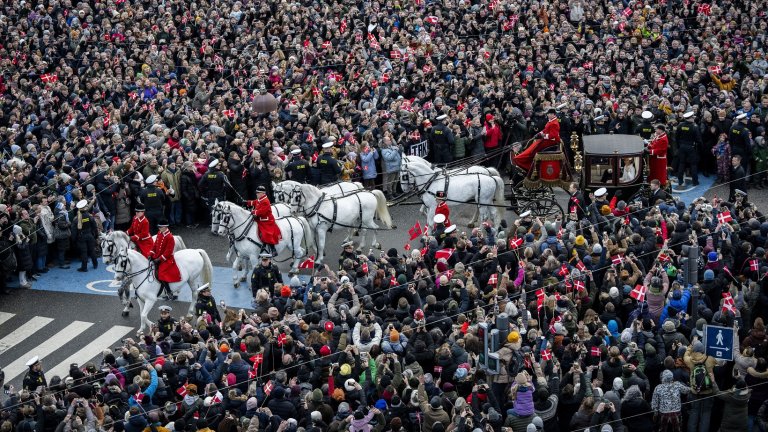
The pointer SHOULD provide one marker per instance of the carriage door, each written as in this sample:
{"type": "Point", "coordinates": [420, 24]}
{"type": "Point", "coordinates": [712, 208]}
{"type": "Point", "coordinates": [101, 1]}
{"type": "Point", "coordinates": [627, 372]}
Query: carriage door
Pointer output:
{"type": "Point", "coordinates": [602, 170]}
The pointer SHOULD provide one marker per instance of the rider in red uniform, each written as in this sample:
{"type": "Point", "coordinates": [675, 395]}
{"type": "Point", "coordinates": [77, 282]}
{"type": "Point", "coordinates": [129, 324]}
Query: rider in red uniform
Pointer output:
{"type": "Point", "coordinates": [139, 232]}
{"type": "Point", "coordinates": [548, 137]}
{"type": "Point", "coordinates": [269, 232]}
{"type": "Point", "coordinates": [442, 207]}
{"type": "Point", "coordinates": [162, 255]}
{"type": "Point", "coordinates": [657, 155]}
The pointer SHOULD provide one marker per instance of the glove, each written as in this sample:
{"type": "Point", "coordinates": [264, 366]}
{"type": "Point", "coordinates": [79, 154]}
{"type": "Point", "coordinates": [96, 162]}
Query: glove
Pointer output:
{"type": "Point", "coordinates": [538, 135]}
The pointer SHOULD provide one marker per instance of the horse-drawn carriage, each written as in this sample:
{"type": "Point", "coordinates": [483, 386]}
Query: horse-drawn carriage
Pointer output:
{"type": "Point", "coordinates": [615, 162]}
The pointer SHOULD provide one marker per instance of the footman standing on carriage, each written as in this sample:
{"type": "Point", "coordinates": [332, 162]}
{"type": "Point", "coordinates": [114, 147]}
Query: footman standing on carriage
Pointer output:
{"type": "Point", "coordinates": [548, 137]}
{"type": "Point", "coordinates": [162, 256]}
{"type": "Point", "coordinates": [139, 232]}
{"type": "Point", "coordinates": [657, 155]}
{"type": "Point", "coordinates": [269, 232]}
{"type": "Point", "coordinates": [207, 304]}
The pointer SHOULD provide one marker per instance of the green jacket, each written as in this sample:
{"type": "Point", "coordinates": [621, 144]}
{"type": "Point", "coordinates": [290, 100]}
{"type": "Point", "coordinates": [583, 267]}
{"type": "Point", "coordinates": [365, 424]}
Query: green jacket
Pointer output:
{"type": "Point", "coordinates": [29, 229]}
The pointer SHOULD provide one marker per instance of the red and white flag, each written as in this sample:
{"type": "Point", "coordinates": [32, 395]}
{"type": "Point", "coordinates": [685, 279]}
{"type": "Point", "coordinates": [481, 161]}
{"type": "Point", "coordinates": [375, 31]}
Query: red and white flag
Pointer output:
{"type": "Point", "coordinates": [579, 285]}
{"type": "Point", "coordinates": [327, 45]}
{"type": "Point", "coordinates": [395, 55]}
{"type": "Point", "coordinates": [754, 265]}
{"type": "Point", "coordinates": [138, 397]}
{"type": "Point", "coordinates": [728, 303]}
{"type": "Point", "coordinates": [268, 387]}
{"type": "Point", "coordinates": [546, 355]}
{"type": "Point", "coordinates": [182, 391]}
{"type": "Point", "coordinates": [415, 230]}
{"type": "Point", "coordinates": [627, 12]}
{"type": "Point", "coordinates": [493, 280]}
{"type": "Point", "coordinates": [229, 113]}
{"type": "Point", "coordinates": [595, 351]}
{"type": "Point", "coordinates": [281, 338]}
{"type": "Point", "coordinates": [515, 243]}
{"type": "Point", "coordinates": [444, 253]}
{"type": "Point", "coordinates": [580, 266]}
{"type": "Point", "coordinates": [431, 20]}
{"type": "Point", "coordinates": [49, 78]}
{"type": "Point", "coordinates": [617, 259]}
{"type": "Point", "coordinates": [638, 293]}
{"type": "Point", "coordinates": [715, 70]}
{"type": "Point", "coordinates": [724, 217]}
{"type": "Point", "coordinates": [564, 270]}
{"type": "Point", "coordinates": [343, 26]}
{"type": "Point", "coordinates": [704, 9]}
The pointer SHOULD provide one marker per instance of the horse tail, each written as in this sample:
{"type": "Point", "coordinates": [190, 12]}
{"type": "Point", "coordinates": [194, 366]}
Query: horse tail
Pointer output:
{"type": "Point", "coordinates": [493, 172]}
{"type": "Point", "coordinates": [499, 196]}
{"type": "Point", "coordinates": [382, 211]}
{"type": "Point", "coordinates": [180, 245]}
{"type": "Point", "coordinates": [207, 274]}
{"type": "Point", "coordinates": [309, 236]}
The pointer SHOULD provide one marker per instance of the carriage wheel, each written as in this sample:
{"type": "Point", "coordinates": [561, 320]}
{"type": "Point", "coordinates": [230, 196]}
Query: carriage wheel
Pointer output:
{"type": "Point", "coordinates": [541, 205]}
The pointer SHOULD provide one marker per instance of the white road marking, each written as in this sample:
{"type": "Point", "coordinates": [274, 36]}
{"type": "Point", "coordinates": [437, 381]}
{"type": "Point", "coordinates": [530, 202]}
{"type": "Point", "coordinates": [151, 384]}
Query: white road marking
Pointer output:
{"type": "Point", "coordinates": [87, 353]}
{"type": "Point", "coordinates": [5, 316]}
{"type": "Point", "coordinates": [23, 332]}
{"type": "Point", "coordinates": [19, 366]}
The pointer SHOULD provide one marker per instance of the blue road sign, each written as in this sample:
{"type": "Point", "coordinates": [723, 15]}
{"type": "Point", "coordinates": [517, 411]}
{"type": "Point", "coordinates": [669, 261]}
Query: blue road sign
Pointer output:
{"type": "Point", "coordinates": [718, 342]}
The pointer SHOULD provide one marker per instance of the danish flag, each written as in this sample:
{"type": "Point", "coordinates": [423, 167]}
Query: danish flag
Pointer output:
{"type": "Point", "coordinates": [728, 303]}
{"type": "Point", "coordinates": [493, 280]}
{"type": "Point", "coordinates": [49, 78]}
{"type": "Point", "coordinates": [281, 338]}
{"type": "Point", "coordinates": [308, 263]}
{"type": "Point", "coordinates": [588, 65]}
{"type": "Point", "coordinates": [627, 12]}
{"type": "Point", "coordinates": [639, 293]}
{"type": "Point", "coordinates": [616, 259]}
{"type": "Point", "coordinates": [385, 77]}
{"type": "Point", "coordinates": [327, 45]}
{"type": "Point", "coordinates": [365, 268]}
{"type": "Point", "coordinates": [182, 391]}
{"type": "Point", "coordinates": [704, 9]}
{"type": "Point", "coordinates": [554, 321]}
{"type": "Point", "coordinates": [714, 70]}
{"type": "Point", "coordinates": [415, 230]}
{"type": "Point", "coordinates": [515, 243]}
{"type": "Point", "coordinates": [444, 253]}
{"type": "Point", "coordinates": [579, 285]}
{"type": "Point", "coordinates": [663, 257]}
{"type": "Point", "coordinates": [268, 387]}
{"type": "Point", "coordinates": [315, 91]}
{"type": "Point", "coordinates": [580, 266]}
{"type": "Point", "coordinates": [432, 20]}
{"type": "Point", "coordinates": [754, 265]}
{"type": "Point", "coordinates": [343, 26]}
{"type": "Point", "coordinates": [595, 351]}
{"type": "Point", "coordinates": [133, 95]}
{"type": "Point", "coordinates": [167, 87]}
{"type": "Point", "coordinates": [395, 55]}
{"type": "Point", "coordinates": [564, 270]}
{"type": "Point", "coordinates": [724, 217]}
{"type": "Point", "coordinates": [139, 397]}
{"type": "Point", "coordinates": [229, 113]}
{"type": "Point", "coordinates": [546, 355]}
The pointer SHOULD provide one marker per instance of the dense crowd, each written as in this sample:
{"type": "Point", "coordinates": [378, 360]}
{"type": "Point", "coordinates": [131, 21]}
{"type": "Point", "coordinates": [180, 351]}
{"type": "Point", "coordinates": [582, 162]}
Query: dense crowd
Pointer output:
{"type": "Point", "coordinates": [123, 102]}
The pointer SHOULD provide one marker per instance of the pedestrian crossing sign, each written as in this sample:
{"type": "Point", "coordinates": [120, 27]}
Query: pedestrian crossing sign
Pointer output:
{"type": "Point", "coordinates": [718, 342]}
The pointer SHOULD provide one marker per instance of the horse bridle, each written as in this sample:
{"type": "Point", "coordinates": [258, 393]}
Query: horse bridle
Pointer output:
{"type": "Point", "coordinates": [226, 218]}
{"type": "Point", "coordinates": [216, 216]}
{"type": "Point", "coordinates": [121, 269]}
{"type": "Point", "coordinates": [109, 248]}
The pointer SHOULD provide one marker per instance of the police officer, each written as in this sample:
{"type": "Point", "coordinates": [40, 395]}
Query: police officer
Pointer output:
{"type": "Point", "coordinates": [85, 233]}
{"type": "Point", "coordinates": [153, 199]}
{"type": "Point", "coordinates": [328, 166]}
{"type": "Point", "coordinates": [166, 324]}
{"type": "Point", "coordinates": [688, 144]}
{"type": "Point", "coordinates": [644, 128]}
{"type": "Point", "coordinates": [738, 136]}
{"type": "Point", "coordinates": [439, 228]}
{"type": "Point", "coordinates": [34, 377]}
{"type": "Point", "coordinates": [441, 141]}
{"type": "Point", "coordinates": [207, 304]}
{"type": "Point", "coordinates": [298, 168]}
{"type": "Point", "coordinates": [213, 185]}
{"type": "Point", "coordinates": [266, 275]}
{"type": "Point", "coordinates": [348, 253]}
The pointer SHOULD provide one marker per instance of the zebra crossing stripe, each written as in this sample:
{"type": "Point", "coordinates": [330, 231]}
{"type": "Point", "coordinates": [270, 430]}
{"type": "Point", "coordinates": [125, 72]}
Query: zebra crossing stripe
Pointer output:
{"type": "Point", "coordinates": [90, 351]}
{"type": "Point", "coordinates": [23, 332]}
{"type": "Point", "coordinates": [5, 316]}
{"type": "Point", "coordinates": [46, 348]}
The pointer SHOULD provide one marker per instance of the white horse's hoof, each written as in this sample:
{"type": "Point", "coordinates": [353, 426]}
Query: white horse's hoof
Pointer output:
{"type": "Point", "coordinates": [242, 278]}
{"type": "Point", "coordinates": [125, 313]}
{"type": "Point", "coordinates": [356, 233]}
{"type": "Point", "coordinates": [377, 245]}
{"type": "Point", "coordinates": [237, 284]}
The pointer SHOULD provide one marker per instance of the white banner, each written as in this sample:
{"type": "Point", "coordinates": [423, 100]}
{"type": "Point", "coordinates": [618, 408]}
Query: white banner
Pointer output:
{"type": "Point", "coordinates": [420, 149]}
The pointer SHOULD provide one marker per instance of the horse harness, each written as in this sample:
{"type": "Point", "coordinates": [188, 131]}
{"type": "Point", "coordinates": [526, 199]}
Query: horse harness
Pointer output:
{"type": "Point", "coordinates": [244, 235]}
{"type": "Point", "coordinates": [315, 210]}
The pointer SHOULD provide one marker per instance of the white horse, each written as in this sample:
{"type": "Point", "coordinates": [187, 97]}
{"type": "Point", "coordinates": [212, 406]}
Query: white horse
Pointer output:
{"type": "Point", "coordinates": [482, 185]}
{"type": "Point", "coordinates": [354, 210]}
{"type": "Point", "coordinates": [113, 243]}
{"type": "Point", "coordinates": [242, 229]}
{"type": "Point", "coordinates": [287, 191]}
{"type": "Point", "coordinates": [241, 264]}
{"type": "Point", "coordinates": [474, 169]}
{"type": "Point", "coordinates": [194, 265]}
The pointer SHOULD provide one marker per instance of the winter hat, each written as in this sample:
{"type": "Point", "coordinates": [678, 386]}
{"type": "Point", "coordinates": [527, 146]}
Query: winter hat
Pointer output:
{"type": "Point", "coordinates": [580, 240]}
{"type": "Point", "coordinates": [346, 369]}
{"type": "Point", "coordinates": [530, 428]}
{"type": "Point", "coordinates": [613, 292]}
{"type": "Point", "coordinates": [709, 275]}
{"type": "Point", "coordinates": [513, 337]}
{"type": "Point", "coordinates": [712, 256]}
{"type": "Point", "coordinates": [698, 347]}
{"type": "Point", "coordinates": [700, 323]}
{"type": "Point", "coordinates": [231, 379]}
{"type": "Point", "coordinates": [285, 291]}
{"type": "Point", "coordinates": [343, 408]}
{"type": "Point", "coordinates": [606, 428]}
{"type": "Point", "coordinates": [316, 416]}
{"type": "Point", "coordinates": [381, 405]}
{"type": "Point", "coordinates": [338, 395]}
{"type": "Point", "coordinates": [538, 422]}
{"type": "Point", "coordinates": [597, 249]}
{"type": "Point", "coordinates": [317, 395]}
{"type": "Point", "coordinates": [349, 385]}
{"type": "Point", "coordinates": [252, 403]}
{"type": "Point", "coordinates": [394, 336]}
{"type": "Point", "coordinates": [325, 351]}
{"type": "Point", "coordinates": [668, 326]}
{"type": "Point", "coordinates": [521, 379]}
{"type": "Point", "coordinates": [435, 402]}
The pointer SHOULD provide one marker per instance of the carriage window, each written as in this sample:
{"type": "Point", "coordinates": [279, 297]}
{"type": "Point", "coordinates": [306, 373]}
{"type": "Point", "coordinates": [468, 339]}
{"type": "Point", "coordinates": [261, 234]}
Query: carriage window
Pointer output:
{"type": "Point", "coordinates": [601, 170]}
{"type": "Point", "coordinates": [630, 169]}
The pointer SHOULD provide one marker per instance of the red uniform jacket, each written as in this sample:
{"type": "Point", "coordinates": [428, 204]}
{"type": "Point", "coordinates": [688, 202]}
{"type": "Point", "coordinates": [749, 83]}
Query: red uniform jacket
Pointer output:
{"type": "Point", "coordinates": [443, 209]}
{"type": "Point", "coordinates": [168, 271]}
{"type": "Point", "coordinates": [139, 233]}
{"type": "Point", "coordinates": [269, 232]}
{"type": "Point", "coordinates": [657, 159]}
{"type": "Point", "coordinates": [550, 137]}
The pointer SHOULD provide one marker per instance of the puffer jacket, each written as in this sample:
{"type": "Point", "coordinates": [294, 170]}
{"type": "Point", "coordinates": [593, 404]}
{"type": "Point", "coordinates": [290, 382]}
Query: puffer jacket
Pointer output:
{"type": "Point", "coordinates": [666, 396]}
{"type": "Point", "coordinates": [735, 409]}
{"type": "Point", "coordinates": [431, 415]}
{"type": "Point", "coordinates": [679, 305]}
{"type": "Point", "coordinates": [505, 356]}
{"type": "Point", "coordinates": [390, 159]}
{"type": "Point", "coordinates": [656, 297]}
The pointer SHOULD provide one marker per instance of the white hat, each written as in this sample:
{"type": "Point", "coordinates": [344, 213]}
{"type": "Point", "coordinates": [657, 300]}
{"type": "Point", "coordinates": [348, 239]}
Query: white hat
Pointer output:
{"type": "Point", "coordinates": [525, 214]}
{"type": "Point", "coordinates": [328, 145]}
{"type": "Point", "coordinates": [689, 114]}
{"type": "Point", "coordinates": [81, 204]}
{"type": "Point", "coordinates": [739, 192]}
{"type": "Point", "coordinates": [349, 243]}
{"type": "Point", "coordinates": [204, 287]}
{"type": "Point", "coordinates": [442, 117]}
{"type": "Point", "coordinates": [33, 361]}
{"type": "Point", "coordinates": [600, 192]}
{"type": "Point", "coordinates": [371, 27]}
{"type": "Point", "coordinates": [561, 106]}
{"type": "Point", "coordinates": [151, 179]}
{"type": "Point", "coordinates": [265, 255]}
{"type": "Point", "coordinates": [450, 229]}
{"type": "Point", "coordinates": [741, 116]}
{"type": "Point", "coordinates": [296, 151]}
{"type": "Point", "coordinates": [214, 163]}
{"type": "Point", "coordinates": [439, 218]}
{"type": "Point", "coordinates": [349, 384]}
{"type": "Point", "coordinates": [165, 308]}
{"type": "Point", "coordinates": [647, 115]}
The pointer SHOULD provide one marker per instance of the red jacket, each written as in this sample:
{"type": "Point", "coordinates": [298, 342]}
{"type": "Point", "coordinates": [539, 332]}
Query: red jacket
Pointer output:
{"type": "Point", "coordinates": [657, 159]}
{"type": "Point", "coordinates": [492, 136]}
{"type": "Point", "coordinates": [551, 132]}
{"type": "Point", "coordinates": [443, 209]}
{"type": "Point", "coordinates": [139, 233]}
{"type": "Point", "coordinates": [167, 271]}
{"type": "Point", "coordinates": [269, 232]}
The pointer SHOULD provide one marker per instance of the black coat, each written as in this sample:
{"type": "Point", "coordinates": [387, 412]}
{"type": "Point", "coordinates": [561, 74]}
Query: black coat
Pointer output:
{"type": "Point", "coordinates": [238, 179]}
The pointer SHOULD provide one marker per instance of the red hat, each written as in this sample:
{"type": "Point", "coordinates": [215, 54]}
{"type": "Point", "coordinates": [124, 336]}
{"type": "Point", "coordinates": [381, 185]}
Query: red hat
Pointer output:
{"type": "Point", "coordinates": [325, 350]}
{"type": "Point", "coordinates": [285, 291]}
{"type": "Point", "coordinates": [418, 315]}
{"type": "Point", "coordinates": [488, 117]}
{"type": "Point", "coordinates": [329, 326]}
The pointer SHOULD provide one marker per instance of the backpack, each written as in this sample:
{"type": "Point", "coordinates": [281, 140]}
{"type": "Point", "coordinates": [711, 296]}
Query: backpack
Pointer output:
{"type": "Point", "coordinates": [700, 380]}
{"type": "Point", "coordinates": [516, 364]}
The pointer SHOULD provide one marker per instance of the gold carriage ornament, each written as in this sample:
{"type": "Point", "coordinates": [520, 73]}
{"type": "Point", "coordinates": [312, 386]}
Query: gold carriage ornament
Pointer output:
{"type": "Point", "coordinates": [578, 159]}
{"type": "Point", "coordinates": [549, 168]}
